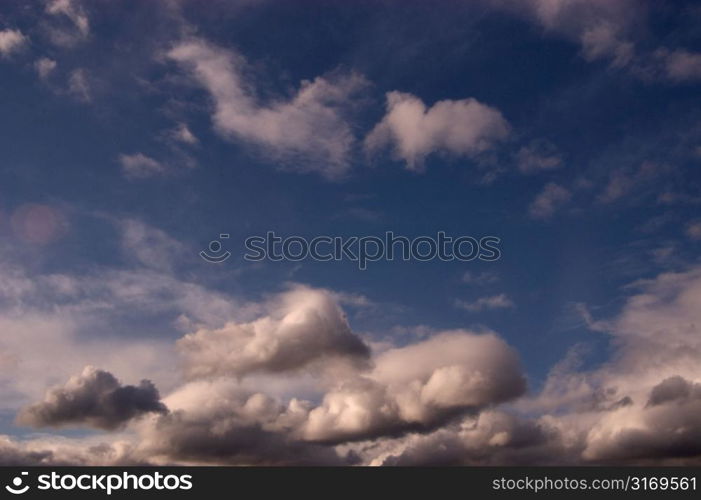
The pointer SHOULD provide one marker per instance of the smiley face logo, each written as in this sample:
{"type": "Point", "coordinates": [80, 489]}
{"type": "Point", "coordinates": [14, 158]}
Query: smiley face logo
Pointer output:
{"type": "Point", "coordinates": [215, 252]}
{"type": "Point", "coordinates": [16, 487]}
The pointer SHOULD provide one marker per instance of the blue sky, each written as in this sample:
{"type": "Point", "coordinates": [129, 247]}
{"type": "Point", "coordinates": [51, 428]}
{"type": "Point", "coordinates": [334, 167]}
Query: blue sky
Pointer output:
{"type": "Point", "coordinates": [134, 133]}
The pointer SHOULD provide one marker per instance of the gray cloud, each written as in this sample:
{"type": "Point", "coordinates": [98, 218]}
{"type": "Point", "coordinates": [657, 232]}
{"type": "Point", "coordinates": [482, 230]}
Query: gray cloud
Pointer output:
{"type": "Point", "coordinates": [96, 399]}
{"type": "Point", "coordinates": [674, 389]}
{"type": "Point", "coordinates": [219, 422]}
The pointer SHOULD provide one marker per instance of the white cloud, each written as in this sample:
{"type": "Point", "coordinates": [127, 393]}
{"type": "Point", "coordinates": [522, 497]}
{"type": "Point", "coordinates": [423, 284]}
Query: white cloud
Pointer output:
{"type": "Point", "coordinates": [11, 41]}
{"type": "Point", "coordinates": [464, 127]}
{"type": "Point", "coordinates": [302, 327]}
{"type": "Point", "coordinates": [500, 301]}
{"type": "Point", "coordinates": [182, 133]}
{"type": "Point", "coordinates": [44, 67]}
{"type": "Point", "coordinates": [307, 132]}
{"type": "Point", "coordinates": [140, 166]}
{"type": "Point", "coordinates": [552, 197]}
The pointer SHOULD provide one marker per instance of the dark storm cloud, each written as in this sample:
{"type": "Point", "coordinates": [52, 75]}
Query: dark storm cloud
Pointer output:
{"type": "Point", "coordinates": [96, 399]}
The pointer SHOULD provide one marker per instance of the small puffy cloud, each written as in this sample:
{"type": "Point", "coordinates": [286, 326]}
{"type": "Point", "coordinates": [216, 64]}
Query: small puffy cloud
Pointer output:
{"type": "Point", "coordinates": [309, 130]}
{"type": "Point", "coordinates": [182, 133]}
{"type": "Point", "coordinates": [44, 67]}
{"type": "Point", "coordinates": [500, 301]}
{"type": "Point", "coordinates": [11, 41]}
{"type": "Point", "coordinates": [552, 197]}
{"type": "Point", "coordinates": [463, 127]}
{"type": "Point", "coordinates": [302, 327]}
{"type": "Point", "coordinates": [536, 157]}
{"type": "Point", "coordinates": [140, 166]}
{"type": "Point", "coordinates": [95, 398]}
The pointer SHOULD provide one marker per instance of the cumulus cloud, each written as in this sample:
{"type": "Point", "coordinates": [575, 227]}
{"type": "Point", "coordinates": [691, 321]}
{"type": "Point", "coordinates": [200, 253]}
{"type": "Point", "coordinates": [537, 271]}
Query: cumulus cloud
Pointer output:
{"type": "Point", "coordinates": [552, 197]}
{"type": "Point", "coordinates": [413, 131]}
{"type": "Point", "coordinates": [290, 383]}
{"type": "Point", "coordinates": [11, 41]}
{"type": "Point", "coordinates": [419, 387]}
{"type": "Point", "coordinates": [140, 166]}
{"type": "Point", "coordinates": [641, 405]}
{"type": "Point", "coordinates": [95, 398]}
{"type": "Point", "coordinates": [491, 438]}
{"type": "Point", "coordinates": [219, 422]}
{"type": "Point", "coordinates": [310, 128]}
{"type": "Point", "coordinates": [500, 301]}
{"type": "Point", "coordinates": [301, 327]}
